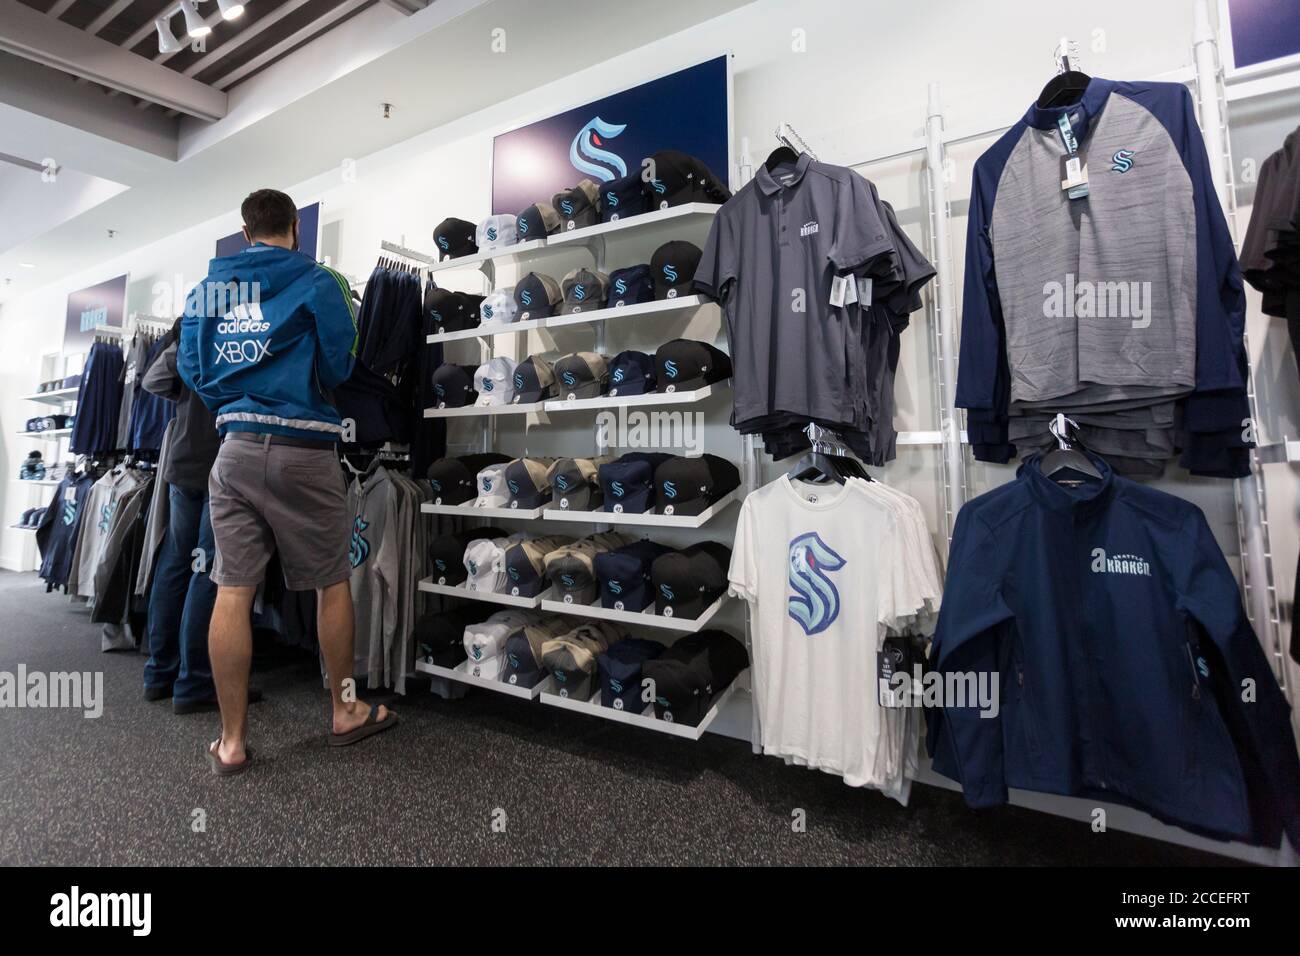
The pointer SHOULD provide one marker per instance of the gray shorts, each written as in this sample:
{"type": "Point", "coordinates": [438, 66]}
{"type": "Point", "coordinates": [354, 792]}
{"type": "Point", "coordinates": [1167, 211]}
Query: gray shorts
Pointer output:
{"type": "Point", "coordinates": [268, 497]}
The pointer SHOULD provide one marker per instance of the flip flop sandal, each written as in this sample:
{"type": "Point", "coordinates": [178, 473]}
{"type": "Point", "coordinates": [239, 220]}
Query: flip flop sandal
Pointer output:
{"type": "Point", "coordinates": [223, 769]}
{"type": "Point", "coordinates": [368, 729]}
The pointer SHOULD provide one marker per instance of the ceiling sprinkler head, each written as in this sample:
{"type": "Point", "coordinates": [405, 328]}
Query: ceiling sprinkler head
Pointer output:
{"type": "Point", "coordinates": [112, 233]}
{"type": "Point", "coordinates": [388, 110]}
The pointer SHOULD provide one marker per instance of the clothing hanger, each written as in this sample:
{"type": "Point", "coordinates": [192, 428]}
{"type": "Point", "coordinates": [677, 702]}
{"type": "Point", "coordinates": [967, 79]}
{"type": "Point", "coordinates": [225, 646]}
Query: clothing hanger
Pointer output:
{"type": "Point", "coordinates": [1066, 455]}
{"type": "Point", "coordinates": [828, 460]}
{"type": "Point", "coordinates": [1069, 83]}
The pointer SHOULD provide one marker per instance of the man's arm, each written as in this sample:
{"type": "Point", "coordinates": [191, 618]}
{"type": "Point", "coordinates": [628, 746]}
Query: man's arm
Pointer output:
{"type": "Point", "coordinates": [336, 327]}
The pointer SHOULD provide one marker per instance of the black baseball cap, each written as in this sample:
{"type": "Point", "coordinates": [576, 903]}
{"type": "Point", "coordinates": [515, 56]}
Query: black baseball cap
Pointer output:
{"type": "Point", "coordinates": [577, 206]}
{"type": "Point", "coordinates": [534, 380]}
{"type": "Point", "coordinates": [685, 364]}
{"type": "Point", "coordinates": [455, 238]}
{"type": "Point", "coordinates": [631, 373]}
{"type": "Point", "coordinates": [689, 674]}
{"type": "Point", "coordinates": [624, 575]}
{"type": "Point", "coordinates": [538, 296]}
{"type": "Point", "coordinates": [680, 178]}
{"type": "Point", "coordinates": [449, 311]}
{"type": "Point", "coordinates": [628, 482]}
{"type": "Point", "coordinates": [687, 581]}
{"type": "Point", "coordinates": [626, 196]}
{"type": "Point", "coordinates": [453, 385]}
{"type": "Point", "coordinates": [673, 268]}
{"type": "Point", "coordinates": [537, 222]}
{"type": "Point", "coordinates": [455, 480]}
{"type": "Point", "coordinates": [620, 670]}
{"type": "Point", "coordinates": [690, 486]}
{"type": "Point", "coordinates": [440, 636]}
{"type": "Point", "coordinates": [631, 286]}
{"type": "Point", "coordinates": [447, 553]}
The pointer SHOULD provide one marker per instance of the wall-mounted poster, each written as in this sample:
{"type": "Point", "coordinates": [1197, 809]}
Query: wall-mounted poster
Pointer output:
{"type": "Point", "coordinates": [1260, 34]}
{"type": "Point", "coordinates": [308, 234]}
{"type": "Point", "coordinates": [102, 305]}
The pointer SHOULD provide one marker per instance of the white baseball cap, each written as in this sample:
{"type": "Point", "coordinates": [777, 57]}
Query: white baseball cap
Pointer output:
{"type": "Point", "coordinates": [482, 560]}
{"type": "Point", "coordinates": [499, 308]}
{"type": "Point", "coordinates": [491, 485]}
{"type": "Point", "coordinates": [495, 381]}
{"type": "Point", "coordinates": [495, 232]}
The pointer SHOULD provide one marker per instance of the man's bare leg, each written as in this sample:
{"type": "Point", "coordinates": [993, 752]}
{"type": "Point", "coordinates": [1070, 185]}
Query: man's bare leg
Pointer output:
{"type": "Point", "coordinates": [334, 625]}
{"type": "Point", "coordinates": [230, 647]}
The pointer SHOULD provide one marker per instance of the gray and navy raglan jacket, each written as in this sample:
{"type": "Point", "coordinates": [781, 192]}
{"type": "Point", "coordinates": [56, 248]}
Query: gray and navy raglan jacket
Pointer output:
{"type": "Point", "coordinates": [1151, 219]}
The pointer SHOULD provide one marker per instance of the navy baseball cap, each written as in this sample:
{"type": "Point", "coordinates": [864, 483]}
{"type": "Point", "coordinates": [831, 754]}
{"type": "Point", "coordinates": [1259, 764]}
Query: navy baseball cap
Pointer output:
{"type": "Point", "coordinates": [631, 373]}
{"type": "Point", "coordinates": [534, 380]}
{"type": "Point", "coordinates": [522, 666]}
{"type": "Point", "coordinates": [628, 482]}
{"type": "Point", "coordinates": [453, 385]}
{"type": "Point", "coordinates": [626, 196]}
{"type": "Point", "coordinates": [624, 575]}
{"type": "Point", "coordinates": [673, 268]}
{"type": "Point", "coordinates": [538, 296]}
{"type": "Point", "coordinates": [690, 486]}
{"type": "Point", "coordinates": [631, 286]}
{"type": "Point", "coordinates": [445, 310]}
{"type": "Point", "coordinates": [537, 222]}
{"type": "Point", "coordinates": [527, 481]}
{"type": "Point", "coordinates": [455, 238]}
{"type": "Point", "coordinates": [620, 670]}
{"type": "Point", "coordinates": [686, 582]}
{"type": "Point", "coordinates": [685, 364]}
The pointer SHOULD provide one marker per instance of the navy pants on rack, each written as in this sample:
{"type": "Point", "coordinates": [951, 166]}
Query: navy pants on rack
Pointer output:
{"type": "Point", "coordinates": [180, 602]}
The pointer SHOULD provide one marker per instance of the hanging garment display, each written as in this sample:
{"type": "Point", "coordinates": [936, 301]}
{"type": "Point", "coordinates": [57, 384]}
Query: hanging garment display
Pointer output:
{"type": "Point", "coordinates": [99, 402]}
{"type": "Point", "coordinates": [1116, 300]}
{"type": "Point", "coordinates": [106, 496]}
{"type": "Point", "coordinates": [60, 528]}
{"type": "Point", "coordinates": [1270, 256]}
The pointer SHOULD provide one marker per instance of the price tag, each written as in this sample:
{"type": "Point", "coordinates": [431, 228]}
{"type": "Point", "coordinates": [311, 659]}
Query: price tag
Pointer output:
{"type": "Point", "coordinates": [838, 291]}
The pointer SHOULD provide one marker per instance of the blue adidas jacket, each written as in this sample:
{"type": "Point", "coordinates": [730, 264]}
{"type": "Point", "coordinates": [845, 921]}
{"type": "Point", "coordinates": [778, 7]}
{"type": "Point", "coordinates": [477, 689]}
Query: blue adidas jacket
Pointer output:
{"type": "Point", "coordinates": [264, 338]}
{"type": "Point", "coordinates": [1115, 629]}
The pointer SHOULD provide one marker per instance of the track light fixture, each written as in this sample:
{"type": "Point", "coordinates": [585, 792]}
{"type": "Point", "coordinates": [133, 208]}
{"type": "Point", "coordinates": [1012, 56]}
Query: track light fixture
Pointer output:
{"type": "Point", "coordinates": [194, 24]}
{"type": "Point", "coordinates": [167, 42]}
{"type": "Point", "coordinates": [230, 9]}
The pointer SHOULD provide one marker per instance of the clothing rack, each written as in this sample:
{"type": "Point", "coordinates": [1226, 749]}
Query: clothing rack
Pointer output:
{"type": "Point", "coordinates": [787, 136]}
{"type": "Point", "coordinates": [402, 252]}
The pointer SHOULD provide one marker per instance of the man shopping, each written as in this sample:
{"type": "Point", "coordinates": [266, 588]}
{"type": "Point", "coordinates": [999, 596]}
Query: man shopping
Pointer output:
{"type": "Point", "coordinates": [264, 337]}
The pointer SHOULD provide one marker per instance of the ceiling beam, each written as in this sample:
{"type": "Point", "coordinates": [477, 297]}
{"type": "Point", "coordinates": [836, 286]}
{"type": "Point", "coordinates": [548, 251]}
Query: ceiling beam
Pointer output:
{"type": "Point", "coordinates": [32, 35]}
{"type": "Point", "coordinates": [243, 36]}
{"type": "Point", "coordinates": [107, 17]}
{"type": "Point", "coordinates": [406, 7]}
{"type": "Point", "coordinates": [317, 26]}
{"type": "Point", "coordinates": [59, 9]}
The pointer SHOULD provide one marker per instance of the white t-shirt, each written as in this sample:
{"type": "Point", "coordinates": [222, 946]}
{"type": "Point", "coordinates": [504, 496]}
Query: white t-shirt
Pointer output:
{"type": "Point", "coordinates": [827, 572]}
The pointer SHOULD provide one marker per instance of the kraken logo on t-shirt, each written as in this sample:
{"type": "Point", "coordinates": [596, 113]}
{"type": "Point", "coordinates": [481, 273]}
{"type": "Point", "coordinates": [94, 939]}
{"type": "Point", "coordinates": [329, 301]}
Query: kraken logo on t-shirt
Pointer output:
{"type": "Point", "coordinates": [815, 603]}
{"type": "Point", "coordinates": [360, 549]}
{"type": "Point", "coordinates": [1119, 564]}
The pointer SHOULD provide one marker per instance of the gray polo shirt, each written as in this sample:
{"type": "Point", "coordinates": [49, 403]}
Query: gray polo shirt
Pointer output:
{"type": "Point", "coordinates": [772, 253]}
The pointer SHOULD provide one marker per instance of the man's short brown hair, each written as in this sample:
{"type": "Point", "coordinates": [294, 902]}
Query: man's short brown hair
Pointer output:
{"type": "Point", "coordinates": [268, 212]}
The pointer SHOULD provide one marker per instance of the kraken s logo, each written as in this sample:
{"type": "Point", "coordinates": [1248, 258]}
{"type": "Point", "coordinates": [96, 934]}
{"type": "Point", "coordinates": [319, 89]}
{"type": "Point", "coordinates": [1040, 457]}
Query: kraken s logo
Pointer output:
{"type": "Point", "coordinates": [513, 486]}
{"type": "Point", "coordinates": [526, 297]}
{"type": "Point", "coordinates": [670, 368]}
{"type": "Point", "coordinates": [519, 379]}
{"type": "Point", "coordinates": [569, 379]}
{"type": "Point", "coordinates": [514, 573]}
{"type": "Point", "coordinates": [617, 488]}
{"type": "Point", "coordinates": [492, 233]}
{"type": "Point", "coordinates": [522, 226]}
{"type": "Point", "coordinates": [567, 580]}
{"type": "Point", "coordinates": [579, 292]}
{"type": "Point", "coordinates": [360, 547]}
{"type": "Point", "coordinates": [435, 484]}
{"type": "Point", "coordinates": [69, 511]}
{"type": "Point", "coordinates": [670, 272]}
{"type": "Point", "coordinates": [611, 199]}
{"type": "Point", "coordinates": [487, 311]}
{"type": "Point", "coordinates": [1122, 160]}
{"type": "Point", "coordinates": [472, 567]}
{"type": "Point", "coordinates": [658, 186]}
{"type": "Point", "coordinates": [615, 587]}
{"type": "Point", "coordinates": [566, 207]}
{"type": "Point", "coordinates": [620, 287]}
{"type": "Point", "coordinates": [443, 244]}
{"type": "Point", "coordinates": [487, 485]}
{"type": "Point", "coordinates": [562, 482]}
{"type": "Point", "coordinates": [815, 603]}
{"type": "Point", "coordinates": [618, 375]}
{"type": "Point", "coordinates": [667, 592]}
{"type": "Point", "coordinates": [487, 385]}
{"type": "Point", "coordinates": [670, 490]}
{"type": "Point", "coordinates": [588, 157]}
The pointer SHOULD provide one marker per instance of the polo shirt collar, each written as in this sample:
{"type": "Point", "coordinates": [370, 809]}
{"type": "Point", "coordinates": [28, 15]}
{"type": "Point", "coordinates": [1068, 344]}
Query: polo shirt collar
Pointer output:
{"type": "Point", "coordinates": [768, 183]}
{"type": "Point", "coordinates": [1086, 500]}
{"type": "Point", "coordinates": [1081, 113]}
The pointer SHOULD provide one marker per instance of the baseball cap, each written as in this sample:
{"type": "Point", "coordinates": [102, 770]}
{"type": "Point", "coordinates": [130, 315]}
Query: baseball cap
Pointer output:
{"type": "Point", "coordinates": [690, 673]}
{"type": "Point", "coordinates": [485, 642]}
{"type": "Point", "coordinates": [498, 308]}
{"type": "Point", "coordinates": [673, 267]}
{"type": "Point", "coordinates": [523, 665]}
{"type": "Point", "coordinates": [624, 575]}
{"type": "Point", "coordinates": [619, 671]}
{"type": "Point", "coordinates": [534, 380]}
{"type": "Point", "coordinates": [584, 291]}
{"type": "Point", "coordinates": [494, 232]}
{"type": "Point", "coordinates": [574, 485]}
{"type": "Point", "coordinates": [686, 582]}
{"type": "Point", "coordinates": [447, 553]}
{"type": "Point", "coordinates": [627, 482]}
{"type": "Point", "coordinates": [581, 375]}
{"type": "Point", "coordinates": [527, 482]}
{"type": "Point", "coordinates": [626, 196]}
{"type": "Point", "coordinates": [571, 657]}
{"type": "Point", "coordinates": [631, 373]}
{"type": "Point", "coordinates": [453, 385]}
{"type": "Point", "coordinates": [684, 364]}
{"type": "Point", "coordinates": [455, 238]}
{"type": "Point", "coordinates": [491, 484]}
{"type": "Point", "coordinates": [631, 286]}
{"type": "Point", "coordinates": [525, 564]}
{"type": "Point", "coordinates": [681, 178]}
{"type": "Point", "coordinates": [577, 206]}
{"type": "Point", "coordinates": [495, 381]}
{"type": "Point", "coordinates": [440, 636]}
{"type": "Point", "coordinates": [536, 296]}
{"type": "Point", "coordinates": [571, 569]}
{"type": "Point", "coordinates": [537, 222]}
{"type": "Point", "coordinates": [690, 486]}
{"type": "Point", "coordinates": [449, 311]}
{"type": "Point", "coordinates": [452, 479]}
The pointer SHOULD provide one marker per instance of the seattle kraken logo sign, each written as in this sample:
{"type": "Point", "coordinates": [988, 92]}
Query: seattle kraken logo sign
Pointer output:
{"type": "Point", "coordinates": [815, 603]}
{"type": "Point", "coordinates": [588, 156]}
{"type": "Point", "coordinates": [360, 548]}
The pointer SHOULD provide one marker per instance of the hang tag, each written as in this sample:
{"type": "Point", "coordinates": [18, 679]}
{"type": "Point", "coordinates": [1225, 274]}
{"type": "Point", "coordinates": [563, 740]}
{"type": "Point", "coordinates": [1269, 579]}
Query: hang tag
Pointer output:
{"type": "Point", "coordinates": [864, 290]}
{"type": "Point", "coordinates": [838, 291]}
{"type": "Point", "coordinates": [850, 290]}
{"type": "Point", "coordinates": [70, 493]}
{"type": "Point", "coordinates": [892, 658]}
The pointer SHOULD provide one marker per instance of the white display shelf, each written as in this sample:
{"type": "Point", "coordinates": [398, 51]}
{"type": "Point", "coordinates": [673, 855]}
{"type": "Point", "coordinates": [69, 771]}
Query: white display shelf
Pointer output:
{"type": "Point", "coordinates": [659, 307]}
{"type": "Point", "coordinates": [485, 332]}
{"type": "Point", "coordinates": [59, 396]}
{"type": "Point", "coordinates": [491, 597]}
{"type": "Point", "coordinates": [647, 618]}
{"type": "Point", "coordinates": [463, 673]}
{"type": "Point", "coordinates": [685, 397]}
{"type": "Point", "coordinates": [37, 482]}
{"type": "Point", "coordinates": [509, 253]}
{"type": "Point", "coordinates": [473, 411]}
{"type": "Point", "coordinates": [52, 434]}
{"type": "Point", "coordinates": [646, 519]}
{"type": "Point", "coordinates": [646, 720]}
{"type": "Point", "coordinates": [1283, 451]}
{"type": "Point", "coordinates": [469, 511]}
{"type": "Point", "coordinates": [672, 216]}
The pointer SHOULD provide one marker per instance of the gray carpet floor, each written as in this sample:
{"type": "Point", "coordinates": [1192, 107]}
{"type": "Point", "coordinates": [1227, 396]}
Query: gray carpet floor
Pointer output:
{"type": "Point", "coordinates": [125, 788]}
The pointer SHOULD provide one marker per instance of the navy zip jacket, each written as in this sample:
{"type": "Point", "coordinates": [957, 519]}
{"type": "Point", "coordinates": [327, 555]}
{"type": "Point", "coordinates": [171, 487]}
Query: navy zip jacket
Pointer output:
{"type": "Point", "coordinates": [1108, 614]}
